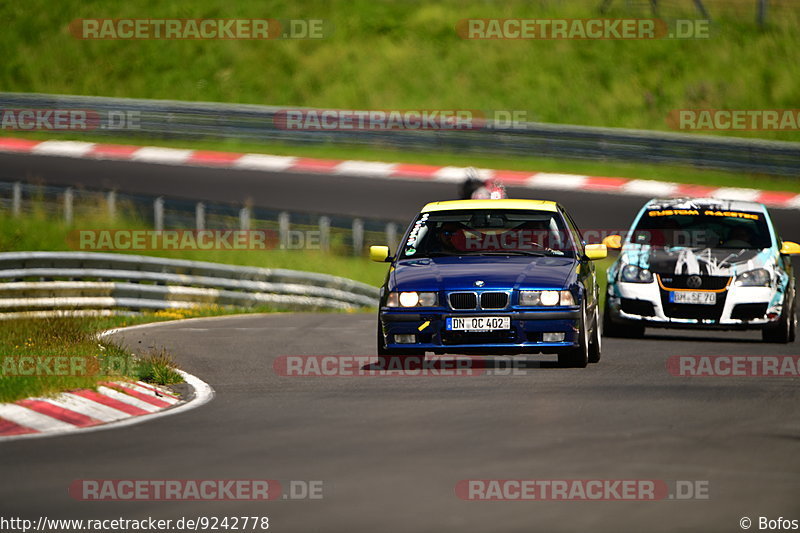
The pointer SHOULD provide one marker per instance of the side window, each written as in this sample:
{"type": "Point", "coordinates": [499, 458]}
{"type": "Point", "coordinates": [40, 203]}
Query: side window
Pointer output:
{"type": "Point", "coordinates": [574, 232]}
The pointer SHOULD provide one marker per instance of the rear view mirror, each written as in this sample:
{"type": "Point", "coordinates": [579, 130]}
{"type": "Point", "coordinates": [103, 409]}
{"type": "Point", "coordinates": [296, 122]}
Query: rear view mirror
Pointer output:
{"type": "Point", "coordinates": [379, 254]}
{"type": "Point", "coordinates": [613, 241]}
{"type": "Point", "coordinates": [790, 248]}
{"type": "Point", "coordinates": [595, 251]}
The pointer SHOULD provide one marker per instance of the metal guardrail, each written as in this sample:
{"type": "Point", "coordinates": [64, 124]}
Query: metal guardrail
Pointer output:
{"type": "Point", "coordinates": [80, 281]}
{"type": "Point", "coordinates": [175, 119]}
{"type": "Point", "coordinates": [338, 234]}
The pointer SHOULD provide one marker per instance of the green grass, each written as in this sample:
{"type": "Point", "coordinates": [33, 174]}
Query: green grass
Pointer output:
{"type": "Point", "coordinates": [41, 357]}
{"type": "Point", "coordinates": [672, 173]}
{"type": "Point", "coordinates": [406, 55]}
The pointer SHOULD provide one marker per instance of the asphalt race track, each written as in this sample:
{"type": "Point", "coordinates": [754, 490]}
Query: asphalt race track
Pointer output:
{"type": "Point", "coordinates": [390, 450]}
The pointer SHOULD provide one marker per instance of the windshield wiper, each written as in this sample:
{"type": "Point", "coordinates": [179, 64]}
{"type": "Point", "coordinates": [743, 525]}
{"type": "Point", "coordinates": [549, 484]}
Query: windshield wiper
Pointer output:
{"type": "Point", "coordinates": [535, 253]}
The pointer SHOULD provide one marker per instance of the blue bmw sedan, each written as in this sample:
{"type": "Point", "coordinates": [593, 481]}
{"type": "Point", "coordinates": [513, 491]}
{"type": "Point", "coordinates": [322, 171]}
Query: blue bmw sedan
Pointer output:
{"type": "Point", "coordinates": [490, 277]}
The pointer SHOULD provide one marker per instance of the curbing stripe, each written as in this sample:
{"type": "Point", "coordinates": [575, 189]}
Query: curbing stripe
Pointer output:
{"type": "Point", "coordinates": [127, 399]}
{"type": "Point", "coordinates": [87, 407]}
{"type": "Point", "coordinates": [149, 389]}
{"type": "Point", "coordinates": [167, 156]}
{"type": "Point", "coordinates": [31, 419]}
{"type": "Point", "coordinates": [110, 402]}
{"type": "Point", "coordinates": [58, 412]}
{"type": "Point", "coordinates": [63, 148]}
{"type": "Point", "coordinates": [147, 399]}
{"type": "Point", "coordinates": [381, 170]}
{"type": "Point", "coordinates": [10, 428]}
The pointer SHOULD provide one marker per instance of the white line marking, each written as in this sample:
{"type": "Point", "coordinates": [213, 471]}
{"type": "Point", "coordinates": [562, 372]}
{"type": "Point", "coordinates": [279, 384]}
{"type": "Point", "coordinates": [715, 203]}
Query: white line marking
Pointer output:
{"type": "Point", "coordinates": [794, 202]}
{"type": "Point", "coordinates": [731, 193]}
{"type": "Point", "coordinates": [365, 168]}
{"type": "Point", "coordinates": [63, 148]}
{"type": "Point", "coordinates": [459, 174]}
{"type": "Point", "coordinates": [271, 163]}
{"type": "Point", "coordinates": [546, 180]}
{"type": "Point", "coordinates": [649, 188]}
{"type": "Point", "coordinates": [167, 156]}
{"type": "Point", "coordinates": [31, 419]}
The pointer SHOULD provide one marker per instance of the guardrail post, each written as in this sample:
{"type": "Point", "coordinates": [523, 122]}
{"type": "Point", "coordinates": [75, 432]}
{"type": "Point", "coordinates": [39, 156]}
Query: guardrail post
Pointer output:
{"type": "Point", "coordinates": [158, 213]}
{"type": "Point", "coordinates": [16, 199]}
{"type": "Point", "coordinates": [200, 216]}
{"type": "Point", "coordinates": [111, 204]}
{"type": "Point", "coordinates": [391, 235]}
{"type": "Point", "coordinates": [283, 229]}
{"type": "Point", "coordinates": [325, 233]}
{"type": "Point", "coordinates": [244, 218]}
{"type": "Point", "coordinates": [68, 202]}
{"type": "Point", "coordinates": [358, 236]}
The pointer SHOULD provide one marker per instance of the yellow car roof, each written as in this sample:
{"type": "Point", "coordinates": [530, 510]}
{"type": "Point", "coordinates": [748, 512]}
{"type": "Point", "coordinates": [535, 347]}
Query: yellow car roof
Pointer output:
{"type": "Point", "coordinates": [453, 205]}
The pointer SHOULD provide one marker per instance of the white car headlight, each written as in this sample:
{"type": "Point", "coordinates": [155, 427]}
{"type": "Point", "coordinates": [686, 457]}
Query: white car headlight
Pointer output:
{"type": "Point", "coordinates": [411, 299]}
{"type": "Point", "coordinates": [754, 278]}
{"type": "Point", "coordinates": [545, 298]}
{"type": "Point", "coordinates": [634, 274]}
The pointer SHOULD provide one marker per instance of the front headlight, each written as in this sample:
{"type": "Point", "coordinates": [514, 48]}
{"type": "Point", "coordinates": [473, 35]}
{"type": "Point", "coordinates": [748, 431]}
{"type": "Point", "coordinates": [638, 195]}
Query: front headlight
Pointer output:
{"type": "Point", "coordinates": [545, 298]}
{"type": "Point", "coordinates": [634, 274]}
{"type": "Point", "coordinates": [753, 278]}
{"type": "Point", "coordinates": [411, 299]}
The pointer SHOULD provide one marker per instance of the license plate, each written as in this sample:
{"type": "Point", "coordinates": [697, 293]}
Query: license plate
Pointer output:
{"type": "Point", "coordinates": [688, 297]}
{"type": "Point", "coordinates": [478, 323]}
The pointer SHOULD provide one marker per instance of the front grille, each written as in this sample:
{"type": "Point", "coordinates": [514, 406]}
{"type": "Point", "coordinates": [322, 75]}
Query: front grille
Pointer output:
{"type": "Point", "coordinates": [637, 307]}
{"type": "Point", "coordinates": [463, 300]}
{"type": "Point", "coordinates": [694, 311]}
{"type": "Point", "coordinates": [494, 300]}
{"type": "Point", "coordinates": [749, 311]}
{"type": "Point", "coordinates": [707, 283]}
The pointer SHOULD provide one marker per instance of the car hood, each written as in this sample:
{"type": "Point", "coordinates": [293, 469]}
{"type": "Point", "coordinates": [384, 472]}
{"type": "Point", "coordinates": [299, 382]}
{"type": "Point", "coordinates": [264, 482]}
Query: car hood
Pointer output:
{"type": "Point", "coordinates": [700, 261]}
{"type": "Point", "coordinates": [461, 273]}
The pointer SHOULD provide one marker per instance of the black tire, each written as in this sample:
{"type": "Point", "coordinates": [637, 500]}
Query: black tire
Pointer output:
{"type": "Point", "coordinates": [577, 357]}
{"type": "Point", "coordinates": [596, 338]}
{"type": "Point", "coordinates": [623, 331]}
{"type": "Point", "coordinates": [395, 359]}
{"type": "Point", "coordinates": [784, 331]}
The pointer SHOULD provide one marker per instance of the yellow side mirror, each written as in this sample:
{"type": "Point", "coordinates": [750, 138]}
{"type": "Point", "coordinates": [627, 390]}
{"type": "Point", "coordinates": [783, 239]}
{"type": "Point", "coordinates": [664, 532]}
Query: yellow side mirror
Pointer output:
{"type": "Point", "coordinates": [379, 254]}
{"type": "Point", "coordinates": [613, 241]}
{"type": "Point", "coordinates": [596, 251]}
{"type": "Point", "coordinates": [790, 248]}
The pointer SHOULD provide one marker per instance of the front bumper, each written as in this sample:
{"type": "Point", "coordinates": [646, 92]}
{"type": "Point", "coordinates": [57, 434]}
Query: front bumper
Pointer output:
{"type": "Point", "coordinates": [736, 307]}
{"type": "Point", "coordinates": [525, 335]}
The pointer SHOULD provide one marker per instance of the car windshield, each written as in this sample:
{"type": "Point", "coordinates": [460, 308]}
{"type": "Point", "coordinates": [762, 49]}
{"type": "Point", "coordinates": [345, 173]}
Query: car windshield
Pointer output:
{"type": "Point", "coordinates": [702, 228]}
{"type": "Point", "coordinates": [488, 232]}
